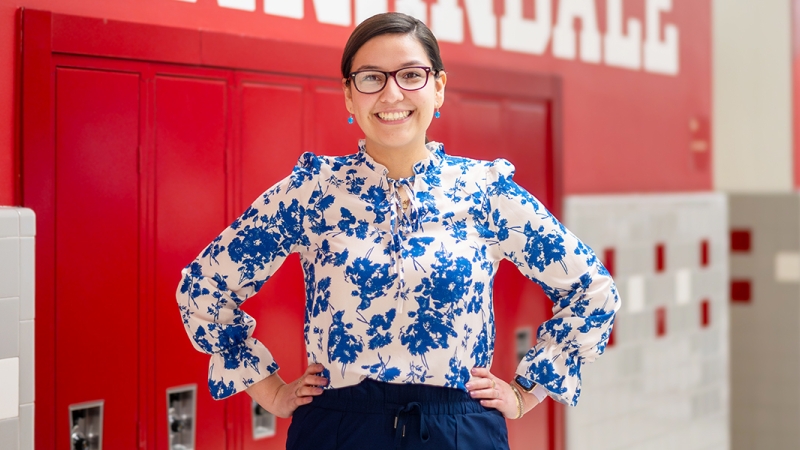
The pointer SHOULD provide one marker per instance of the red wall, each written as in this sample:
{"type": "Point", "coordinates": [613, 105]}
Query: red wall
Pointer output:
{"type": "Point", "coordinates": [796, 88]}
{"type": "Point", "coordinates": [624, 130]}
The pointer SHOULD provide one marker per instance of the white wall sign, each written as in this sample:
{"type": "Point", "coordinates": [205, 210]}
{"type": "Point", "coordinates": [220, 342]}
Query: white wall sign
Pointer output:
{"type": "Point", "coordinates": [553, 26]}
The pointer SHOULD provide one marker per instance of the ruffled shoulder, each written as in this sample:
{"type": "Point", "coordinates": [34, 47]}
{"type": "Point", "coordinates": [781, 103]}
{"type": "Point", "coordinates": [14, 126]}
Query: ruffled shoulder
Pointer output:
{"type": "Point", "coordinates": [499, 168]}
{"type": "Point", "coordinates": [306, 169]}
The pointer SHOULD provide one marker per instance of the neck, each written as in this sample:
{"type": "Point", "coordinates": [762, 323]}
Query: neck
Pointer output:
{"type": "Point", "coordinates": [399, 161]}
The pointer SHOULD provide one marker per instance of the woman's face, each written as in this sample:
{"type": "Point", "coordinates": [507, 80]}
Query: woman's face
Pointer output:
{"type": "Point", "coordinates": [394, 119]}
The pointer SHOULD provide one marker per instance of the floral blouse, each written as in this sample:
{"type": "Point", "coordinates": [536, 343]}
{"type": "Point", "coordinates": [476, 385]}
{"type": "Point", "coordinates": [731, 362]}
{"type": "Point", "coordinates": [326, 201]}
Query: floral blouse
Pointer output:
{"type": "Point", "coordinates": [393, 294]}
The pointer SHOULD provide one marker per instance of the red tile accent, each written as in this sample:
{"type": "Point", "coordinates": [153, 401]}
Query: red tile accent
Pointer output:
{"type": "Point", "coordinates": [661, 321]}
{"type": "Point", "coordinates": [740, 240]}
{"type": "Point", "coordinates": [608, 260]}
{"type": "Point", "coordinates": [705, 313]}
{"type": "Point", "coordinates": [660, 256]}
{"type": "Point", "coordinates": [704, 253]}
{"type": "Point", "coordinates": [741, 291]}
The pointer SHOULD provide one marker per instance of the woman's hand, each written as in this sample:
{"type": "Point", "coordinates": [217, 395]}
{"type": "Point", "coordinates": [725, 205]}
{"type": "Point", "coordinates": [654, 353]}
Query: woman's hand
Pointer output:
{"type": "Point", "coordinates": [496, 393]}
{"type": "Point", "coordinates": [281, 399]}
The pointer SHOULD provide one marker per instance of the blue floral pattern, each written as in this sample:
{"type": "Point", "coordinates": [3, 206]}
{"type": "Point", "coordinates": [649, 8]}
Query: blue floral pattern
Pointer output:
{"type": "Point", "coordinates": [402, 296]}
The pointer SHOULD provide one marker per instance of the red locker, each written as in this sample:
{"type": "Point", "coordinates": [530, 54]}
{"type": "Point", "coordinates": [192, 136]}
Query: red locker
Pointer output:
{"type": "Point", "coordinates": [190, 130]}
{"type": "Point", "coordinates": [97, 253]}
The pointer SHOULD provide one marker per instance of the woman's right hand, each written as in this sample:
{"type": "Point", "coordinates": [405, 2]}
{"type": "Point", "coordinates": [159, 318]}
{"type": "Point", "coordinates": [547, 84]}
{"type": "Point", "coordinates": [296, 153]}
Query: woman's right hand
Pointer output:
{"type": "Point", "coordinates": [282, 399]}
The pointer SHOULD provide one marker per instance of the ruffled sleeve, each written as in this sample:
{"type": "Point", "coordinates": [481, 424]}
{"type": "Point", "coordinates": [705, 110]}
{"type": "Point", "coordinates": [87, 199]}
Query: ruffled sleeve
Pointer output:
{"type": "Point", "coordinates": [584, 296]}
{"type": "Point", "coordinates": [232, 268]}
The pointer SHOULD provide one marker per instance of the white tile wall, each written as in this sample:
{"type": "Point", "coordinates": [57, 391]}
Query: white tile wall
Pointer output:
{"type": "Point", "coordinates": [17, 306]}
{"type": "Point", "coordinates": [650, 391]}
{"type": "Point", "coordinates": [9, 394]}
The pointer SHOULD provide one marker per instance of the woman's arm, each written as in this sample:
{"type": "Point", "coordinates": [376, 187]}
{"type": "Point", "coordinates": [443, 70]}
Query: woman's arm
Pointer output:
{"type": "Point", "coordinates": [584, 296]}
{"type": "Point", "coordinates": [231, 269]}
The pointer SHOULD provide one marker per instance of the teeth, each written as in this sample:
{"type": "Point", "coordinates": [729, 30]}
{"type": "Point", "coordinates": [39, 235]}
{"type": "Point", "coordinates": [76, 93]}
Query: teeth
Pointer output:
{"type": "Point", "coordinates": [394, 115]}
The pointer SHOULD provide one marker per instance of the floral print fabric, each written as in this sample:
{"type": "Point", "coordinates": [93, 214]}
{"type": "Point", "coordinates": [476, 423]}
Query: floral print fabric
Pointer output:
{"type": "Point", "coordinates": [401, 296]}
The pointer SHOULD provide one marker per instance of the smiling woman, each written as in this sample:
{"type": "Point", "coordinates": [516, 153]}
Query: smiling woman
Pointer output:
{"type": "Point", "coordinates": [400, 243]}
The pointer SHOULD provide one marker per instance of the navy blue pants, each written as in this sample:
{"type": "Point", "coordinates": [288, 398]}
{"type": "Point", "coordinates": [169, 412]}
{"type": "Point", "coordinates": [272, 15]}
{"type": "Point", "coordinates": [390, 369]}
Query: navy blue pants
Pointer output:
{"type": "Point", "coordinates": [381, 416]}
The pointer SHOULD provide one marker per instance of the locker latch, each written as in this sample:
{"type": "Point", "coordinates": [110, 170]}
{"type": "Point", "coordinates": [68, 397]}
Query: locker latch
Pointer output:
{"type": "Point", "coordinates": [181, 417]}
{"type": "Point", "coordinates": [86, 426]}
{"type": "Point", "coordinates": [263, 422]}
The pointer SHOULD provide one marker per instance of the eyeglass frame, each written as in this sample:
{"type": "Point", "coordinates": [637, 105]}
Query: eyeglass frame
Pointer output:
{"type": "Point", "coordinates": [392, 74]}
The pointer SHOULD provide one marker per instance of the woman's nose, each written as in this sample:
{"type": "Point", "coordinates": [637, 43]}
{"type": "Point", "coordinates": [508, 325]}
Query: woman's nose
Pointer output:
{"type": "Point", "coordinates": [392, 92]}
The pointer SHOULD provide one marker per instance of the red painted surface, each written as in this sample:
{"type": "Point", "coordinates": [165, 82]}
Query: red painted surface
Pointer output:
{"type": "Point", "coordinates": [740, 241]}
{"type": "Point", "coordinates": [97, 265]}
{"type": "Point", "coordinates": [796, 87]}
{"type": "Point", "coordinates": [661, 321]}
{"type": "Point", "coordinates": [705, 313]}
{"type": "Point", "coordinates": [190, 122]}
{"type": "Point", "coordinates": [616, 121]}
{"type": "Point", "coordinates": [741, 291]}
{"type": "Point", "coordinates": [704, 253]}
{"type": "Point", "coordinates": [608, 260]}
{"type": "Point", "coordinates": [203, 143]}
{"type": "Point", "coordinates": [660, 258]}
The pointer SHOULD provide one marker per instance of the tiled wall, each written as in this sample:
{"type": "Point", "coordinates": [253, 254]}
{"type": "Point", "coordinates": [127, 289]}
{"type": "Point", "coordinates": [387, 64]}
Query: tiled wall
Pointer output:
{"type": "Point", "coordinates": [17, 231]}
{"type": "Point", "coordinates": [765, 321]}
{"type": "Point", "coordinates": [663, 382]}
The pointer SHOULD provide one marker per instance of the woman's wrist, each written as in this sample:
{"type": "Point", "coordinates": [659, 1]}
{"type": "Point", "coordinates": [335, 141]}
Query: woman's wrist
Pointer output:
{"type": "Point", "coordinates": [265, 391]}
{"type": "Point", "coordinates": [527, 398]}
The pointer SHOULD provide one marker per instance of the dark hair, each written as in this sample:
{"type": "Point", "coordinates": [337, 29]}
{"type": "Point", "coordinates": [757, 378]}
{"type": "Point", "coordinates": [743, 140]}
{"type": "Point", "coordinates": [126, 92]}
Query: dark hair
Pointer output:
{"type": "Point", "coordinates": [391, 23]}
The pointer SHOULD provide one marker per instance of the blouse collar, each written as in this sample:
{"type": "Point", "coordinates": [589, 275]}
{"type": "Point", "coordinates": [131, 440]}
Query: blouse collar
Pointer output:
{"type": "Point", "coordinates": [426, 165]}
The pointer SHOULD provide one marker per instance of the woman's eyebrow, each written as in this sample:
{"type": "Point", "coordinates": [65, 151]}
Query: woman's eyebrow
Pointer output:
{"type": "Point", "coordinates": [406, 64]}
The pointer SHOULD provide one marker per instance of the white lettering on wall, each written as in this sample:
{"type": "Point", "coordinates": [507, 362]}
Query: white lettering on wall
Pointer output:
{"type": "Point", "coordinates": [564, 31]}
{"type": "Point", "coordinates": [447, 21]}
{"type": "Point", "coordinates": [482, 22]}
{"type": "Point", "coordinates": [416, 8]}
{"type": "Point", "coordinates": [334, 12]}
{"type": "Point", "coordinates": [660, 56]}
{"type": "Point", "coordinates": [622, 46]}
{"type": "Point", "coordinates": [285, 8]}
{"type": "Point", "coordinates": [526, 35]}
{"type": "Point", "coordinates": [620, 50]}
{"type": "Point", "coordinates": [244, 5]}
{"type": "Point", "coordinates": [368, 8]}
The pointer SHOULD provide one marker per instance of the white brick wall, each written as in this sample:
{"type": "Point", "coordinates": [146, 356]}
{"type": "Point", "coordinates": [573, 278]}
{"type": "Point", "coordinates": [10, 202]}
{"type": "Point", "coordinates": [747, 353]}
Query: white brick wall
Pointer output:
{"type": "Point", "coordinates": [17, 231]}
{"type": "Point", "coordinates": [659, 386]}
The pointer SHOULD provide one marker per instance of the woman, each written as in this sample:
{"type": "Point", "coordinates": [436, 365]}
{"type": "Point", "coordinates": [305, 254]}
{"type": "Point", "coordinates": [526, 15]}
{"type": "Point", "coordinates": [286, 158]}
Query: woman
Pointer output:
{"type": "Point", "coordinates": [399, 244]}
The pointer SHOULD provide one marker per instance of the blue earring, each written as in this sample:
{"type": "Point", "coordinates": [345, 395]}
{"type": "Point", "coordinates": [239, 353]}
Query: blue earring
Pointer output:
{"type": "Point", "coordinates": [350, 120]}
{"type": "Point", "coordinates": [437, 114]}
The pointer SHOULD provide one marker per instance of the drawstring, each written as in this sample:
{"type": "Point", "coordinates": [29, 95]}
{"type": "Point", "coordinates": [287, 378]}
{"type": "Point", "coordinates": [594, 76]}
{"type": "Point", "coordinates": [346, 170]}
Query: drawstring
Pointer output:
{"type": "Point", "coordinates": [400, 420]}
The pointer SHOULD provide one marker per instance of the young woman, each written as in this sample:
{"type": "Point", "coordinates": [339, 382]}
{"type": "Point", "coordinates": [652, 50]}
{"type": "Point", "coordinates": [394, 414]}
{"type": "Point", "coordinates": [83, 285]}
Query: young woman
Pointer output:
{"type": "Point", "coordinates": [399, 244]}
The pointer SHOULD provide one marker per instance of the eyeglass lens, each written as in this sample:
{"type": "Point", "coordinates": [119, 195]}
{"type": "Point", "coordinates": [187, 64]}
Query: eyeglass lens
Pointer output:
{"type": "Point", "coordinates": [410, 79]}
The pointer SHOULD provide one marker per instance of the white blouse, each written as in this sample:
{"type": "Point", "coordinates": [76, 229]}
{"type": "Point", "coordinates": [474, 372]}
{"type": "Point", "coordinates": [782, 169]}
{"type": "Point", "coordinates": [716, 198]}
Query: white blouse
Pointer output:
{"type": "Point", "coordinates": [401, 296]}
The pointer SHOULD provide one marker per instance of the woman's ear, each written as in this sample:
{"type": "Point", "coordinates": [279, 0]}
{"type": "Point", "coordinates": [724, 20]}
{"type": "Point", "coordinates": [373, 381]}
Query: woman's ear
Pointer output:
{"type": "Point", "coordinates": [348, 95]}
{"type": "Point", "coordinates": [441, 80]}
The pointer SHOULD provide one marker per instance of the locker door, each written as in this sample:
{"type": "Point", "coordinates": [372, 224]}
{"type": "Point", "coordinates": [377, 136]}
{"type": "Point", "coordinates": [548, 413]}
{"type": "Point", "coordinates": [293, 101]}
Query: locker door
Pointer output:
{"type": "Point", "coordinates": [97, 251]}
{"type": "Point", "coordinates": [271, 130]}
{"type": "Point", "coordinates": [490, 127]}
{"type": "Point", "coordinates": [190, 210]}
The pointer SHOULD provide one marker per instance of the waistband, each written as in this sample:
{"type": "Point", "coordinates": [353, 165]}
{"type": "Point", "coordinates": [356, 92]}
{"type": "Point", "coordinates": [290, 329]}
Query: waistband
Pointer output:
{"type": "Point", "coordinates": [377, 397]}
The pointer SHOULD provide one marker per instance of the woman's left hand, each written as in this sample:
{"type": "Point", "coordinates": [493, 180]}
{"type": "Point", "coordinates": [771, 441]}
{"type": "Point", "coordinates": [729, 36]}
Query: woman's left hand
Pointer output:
{"type": "Point", "coordinates": [496, 393]}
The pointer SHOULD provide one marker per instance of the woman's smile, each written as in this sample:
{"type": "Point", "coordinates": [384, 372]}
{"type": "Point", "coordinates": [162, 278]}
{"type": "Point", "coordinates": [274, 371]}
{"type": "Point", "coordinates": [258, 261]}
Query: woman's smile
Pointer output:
{"type": "Point", "coordinates": [394, 117]}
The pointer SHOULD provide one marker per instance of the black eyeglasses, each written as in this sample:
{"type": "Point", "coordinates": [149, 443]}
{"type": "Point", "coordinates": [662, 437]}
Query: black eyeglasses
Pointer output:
{"type": "Point", "coordinates": [407, 78]}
